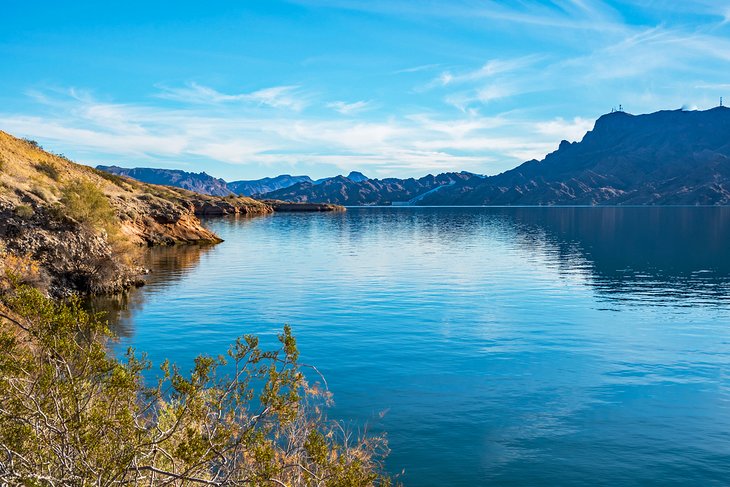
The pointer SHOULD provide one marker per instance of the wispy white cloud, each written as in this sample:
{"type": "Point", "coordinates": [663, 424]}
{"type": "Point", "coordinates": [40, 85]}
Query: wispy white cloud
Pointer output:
{"type": "Point", "coordinates": [289, 97]}
{"type": "Point", "coordinates": [349, 108]}
{"type": "Point", "coordinates": [417, 69]}
{"type": "Point", "coordinates": [575, 15]}
{"type": "Point", "coordinates": [490, 69]}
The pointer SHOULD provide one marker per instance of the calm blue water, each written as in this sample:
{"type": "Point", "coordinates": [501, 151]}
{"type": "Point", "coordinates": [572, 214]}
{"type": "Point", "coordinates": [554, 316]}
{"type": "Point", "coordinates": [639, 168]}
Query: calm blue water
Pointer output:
{"type": "Point", "coordinates": [505, 346]}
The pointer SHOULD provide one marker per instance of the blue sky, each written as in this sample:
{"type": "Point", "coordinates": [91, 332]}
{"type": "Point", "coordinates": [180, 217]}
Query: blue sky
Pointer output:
{"type": "Point", "coordinates": [399, 88]}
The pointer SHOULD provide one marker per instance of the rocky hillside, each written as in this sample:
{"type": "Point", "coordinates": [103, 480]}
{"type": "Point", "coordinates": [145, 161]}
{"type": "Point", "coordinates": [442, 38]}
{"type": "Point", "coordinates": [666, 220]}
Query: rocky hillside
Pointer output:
{"type": "Point", "coordinates": [664, 158]}
{"type": "Point", "coordinates": [345, 191]}
{"type": "Point", "coordinates": [198, 182]}
{"type": "Point", "coordinates": [82, 225]}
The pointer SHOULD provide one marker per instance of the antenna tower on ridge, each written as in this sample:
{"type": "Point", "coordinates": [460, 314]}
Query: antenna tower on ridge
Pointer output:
{"type": "Point", "coordinates": [720, 101]}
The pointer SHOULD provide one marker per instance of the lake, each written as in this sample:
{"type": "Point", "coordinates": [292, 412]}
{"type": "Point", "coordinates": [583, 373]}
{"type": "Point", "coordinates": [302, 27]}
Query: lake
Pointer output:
{"type": "Point", "coordinates": [505, 346]}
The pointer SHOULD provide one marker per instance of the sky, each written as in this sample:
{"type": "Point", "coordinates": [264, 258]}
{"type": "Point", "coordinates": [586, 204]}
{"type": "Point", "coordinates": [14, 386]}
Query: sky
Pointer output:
{"type": "Point", "coordinates": [391, 88]}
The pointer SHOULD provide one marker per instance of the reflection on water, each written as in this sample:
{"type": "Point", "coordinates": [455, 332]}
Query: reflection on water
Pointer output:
{"type": "Point", "coordinates": [514, 346]}
{"type": "Point", "coordinates": [637, 253]}
{"type": "Point", "coordinates": [167, 265]}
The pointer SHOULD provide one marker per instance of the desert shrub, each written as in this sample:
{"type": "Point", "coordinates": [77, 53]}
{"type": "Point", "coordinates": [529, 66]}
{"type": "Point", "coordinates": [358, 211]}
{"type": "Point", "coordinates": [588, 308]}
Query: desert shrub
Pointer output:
{"type": "Point", "coordinates": [40, 192]}
{"type": "Point", "coordinates": [49, 169]}
{"type": "Point", "coordinates": [18, 270]}
{"type": "Point", "coordinates": [32, 143]}
{"type": "Point", "coordinates": [85, 202]}
{"type": "Point", "coordinates": [70, 414]}
{"type": "Point", "coordinates": [24, 211]}
{"type": "Point", "coordinates": [2, 163]}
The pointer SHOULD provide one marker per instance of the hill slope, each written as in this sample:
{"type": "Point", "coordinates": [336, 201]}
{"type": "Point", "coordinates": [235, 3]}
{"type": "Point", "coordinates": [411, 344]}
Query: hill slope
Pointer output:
{"type": "Point", "coordinates": [81, 224]}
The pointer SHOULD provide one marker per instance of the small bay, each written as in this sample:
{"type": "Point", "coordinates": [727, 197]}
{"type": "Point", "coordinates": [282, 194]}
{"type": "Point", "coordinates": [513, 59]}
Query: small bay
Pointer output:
{"type": "Point", "coordinates": [509, 346]}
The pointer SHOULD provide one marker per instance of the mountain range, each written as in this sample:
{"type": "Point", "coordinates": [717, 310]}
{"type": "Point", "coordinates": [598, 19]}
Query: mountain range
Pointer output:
{"type": "Point", "coordinates": [670, 157]}
{"type": "Point", "coordinates": [206, 184]}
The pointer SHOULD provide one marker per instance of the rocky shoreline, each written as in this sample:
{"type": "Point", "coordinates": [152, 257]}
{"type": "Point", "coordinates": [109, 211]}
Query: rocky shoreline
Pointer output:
{"type": "Point", "coordinates": [84, 229]}
{"type": "Point", "coordinates": [290, 207]}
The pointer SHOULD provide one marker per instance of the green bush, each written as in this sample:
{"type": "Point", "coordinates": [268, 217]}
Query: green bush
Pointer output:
{"type": "Point", "coordinates": [85, 202]}
{"type": "Point", "coordinates": [72, 415]}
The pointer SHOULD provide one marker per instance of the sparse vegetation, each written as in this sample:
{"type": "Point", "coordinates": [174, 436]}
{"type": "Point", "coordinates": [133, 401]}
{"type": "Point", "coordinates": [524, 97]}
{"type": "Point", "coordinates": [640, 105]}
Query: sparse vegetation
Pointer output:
{"type": "Point", "coordinates": [33, 143]}
{"type": "Point", "coordinates": [24, 211]}
{"type": "Point", "coordinates": [49, 169]}
{"type": "Point", "coordinates": [72, 415]}
{"type": "Point", "coordinates": [113, 178]}
{"type": "Point", "coordinates": [62, 156]}
{"type": "Point", "coordinates": [40, 192]}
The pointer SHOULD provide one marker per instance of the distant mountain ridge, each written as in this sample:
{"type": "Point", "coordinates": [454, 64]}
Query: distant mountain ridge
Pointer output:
{"type": "Point", "coordinates": [206, 184]}
{"type": "Point", "coordinates": [390, 191]}
{"type": "Point", "coordinates": [198, 182]}
{"type": "Point", "coordinates": [354, 176]}
{"type": "Point", "coordinates": [664, 158]}
{"type": "Point", "coordinates": [265, 185]}
{"type": "Point", "coordinates": [671, 157]}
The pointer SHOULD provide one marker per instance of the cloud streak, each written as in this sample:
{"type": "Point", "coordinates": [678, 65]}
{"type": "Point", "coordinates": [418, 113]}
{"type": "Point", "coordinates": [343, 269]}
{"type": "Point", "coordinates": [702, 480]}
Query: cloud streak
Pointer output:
{"type": "Point", "coordinates": [349, 108]}
{"type": "Point", "coordinates": [285, 97]}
